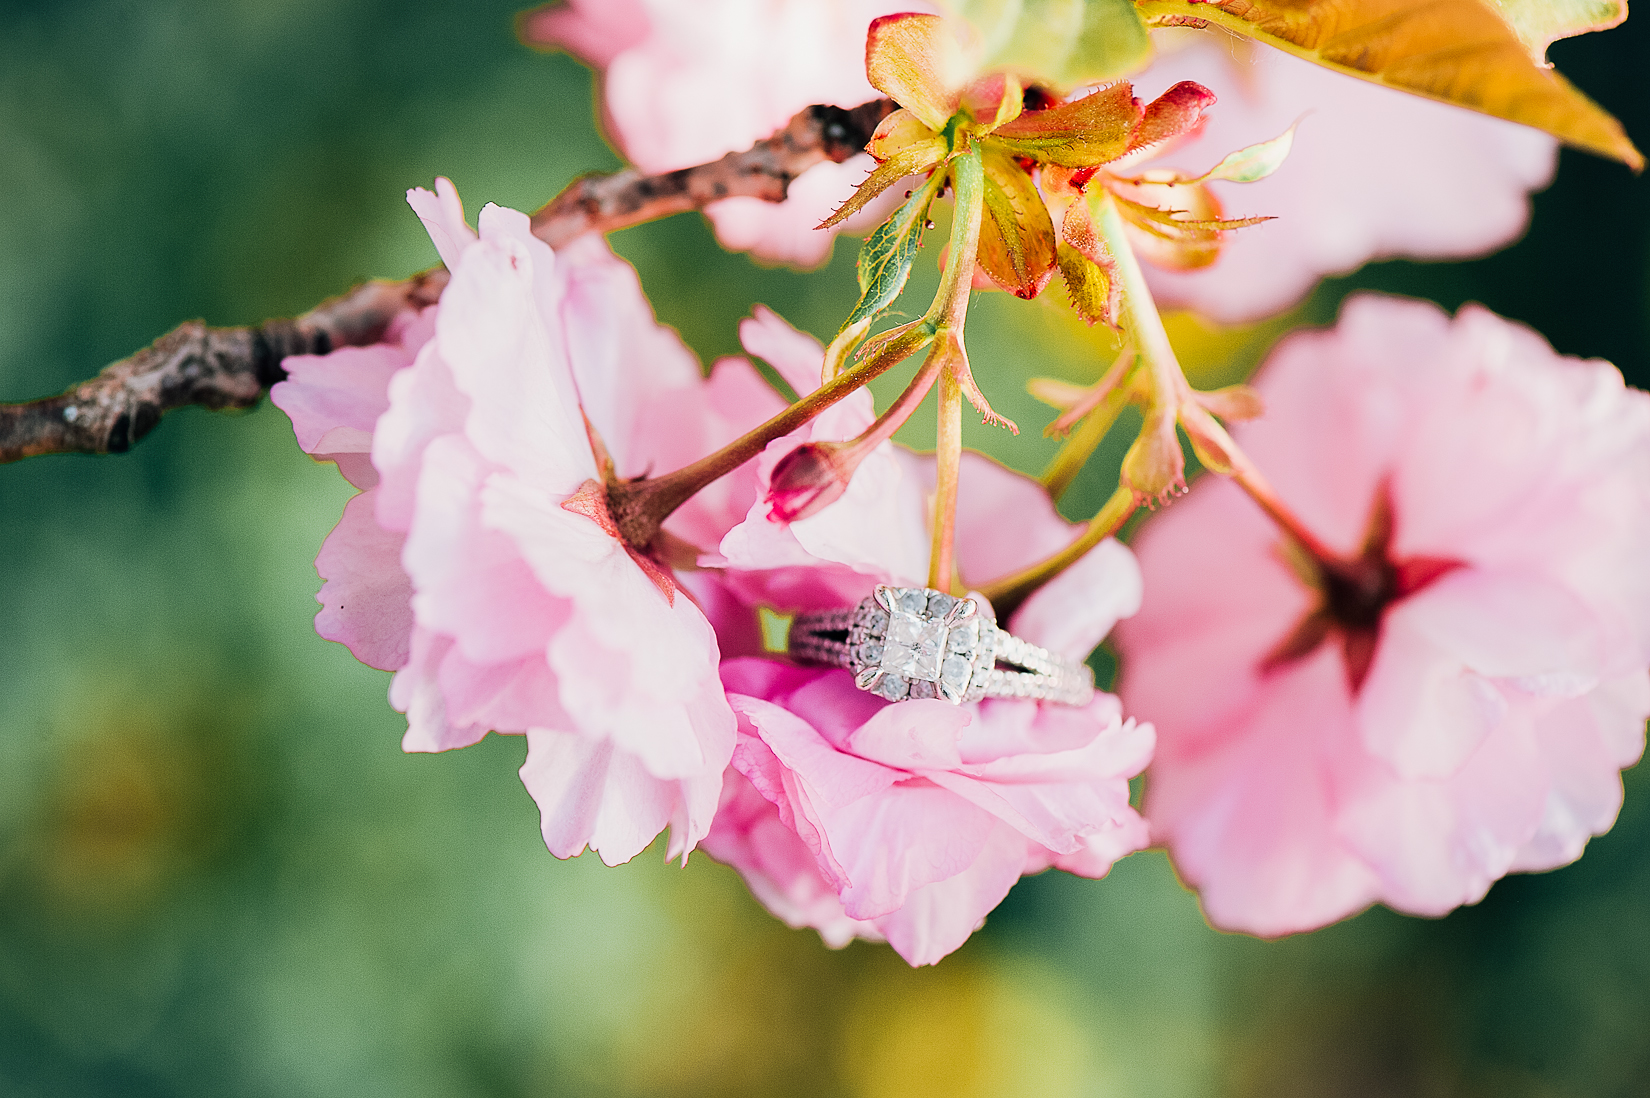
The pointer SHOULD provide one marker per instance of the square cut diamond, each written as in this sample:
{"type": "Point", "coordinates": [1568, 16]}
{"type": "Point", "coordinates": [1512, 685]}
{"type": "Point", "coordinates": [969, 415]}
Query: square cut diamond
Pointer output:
{"type": "Point", "coordinates": [915, 644]}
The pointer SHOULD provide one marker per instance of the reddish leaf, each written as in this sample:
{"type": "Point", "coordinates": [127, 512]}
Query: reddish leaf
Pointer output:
{"type": "Point", "coordinates": [1084, 133]}
{"type": "Point", "coordinates": [1175, 114]}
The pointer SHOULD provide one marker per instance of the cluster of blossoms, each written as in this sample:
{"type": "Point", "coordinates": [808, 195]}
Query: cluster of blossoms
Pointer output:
{"type": "Point", "coordinates": [1411, 661]}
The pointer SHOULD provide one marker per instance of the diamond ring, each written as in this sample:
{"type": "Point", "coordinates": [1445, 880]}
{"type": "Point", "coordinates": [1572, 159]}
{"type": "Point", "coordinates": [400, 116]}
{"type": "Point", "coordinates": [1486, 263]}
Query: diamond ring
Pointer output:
{"type": "Point", "coordinates": [915, 642]}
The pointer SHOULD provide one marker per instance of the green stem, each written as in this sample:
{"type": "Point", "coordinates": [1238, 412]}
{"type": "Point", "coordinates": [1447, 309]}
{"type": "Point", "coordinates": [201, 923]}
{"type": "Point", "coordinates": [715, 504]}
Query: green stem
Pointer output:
{"type": "Point", "coordinates": [1140, 316]}
{"type": "Point", "coordinates": [948, 313]}
{"type": "Point", "coordinates": [1008, 593]}
{"type": "Point", "coordinates": [1169, 382]}
{"type": "Point", "coordinates": [948, 452]}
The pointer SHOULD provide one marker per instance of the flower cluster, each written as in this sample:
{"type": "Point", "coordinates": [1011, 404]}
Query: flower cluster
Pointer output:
{"type": "Point", "coordinates": [1399, 648]}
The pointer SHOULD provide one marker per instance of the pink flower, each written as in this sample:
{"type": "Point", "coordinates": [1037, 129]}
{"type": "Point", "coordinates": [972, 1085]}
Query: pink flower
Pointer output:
{"type": "Point", "coordinates": [1457, 701]}
{"type": "Point", "coordinates": [1374, 173]}
{"type": "Point", "coordinates": [686, 83]}
{"type": "Point", "coordinates": [480, 562]}
{"type": "Point", "coordinates": [911, 821]}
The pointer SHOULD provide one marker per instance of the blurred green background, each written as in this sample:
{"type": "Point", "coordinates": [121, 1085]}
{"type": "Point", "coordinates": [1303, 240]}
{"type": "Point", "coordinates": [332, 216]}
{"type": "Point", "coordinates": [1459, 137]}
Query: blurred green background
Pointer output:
{"type": "Point", "coordinates": [220, 876]}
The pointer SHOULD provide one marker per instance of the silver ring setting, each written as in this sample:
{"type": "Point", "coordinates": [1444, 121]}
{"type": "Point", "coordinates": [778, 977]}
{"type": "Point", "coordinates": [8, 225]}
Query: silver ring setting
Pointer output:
{"type": "Point", "coordinates": [915, 642]}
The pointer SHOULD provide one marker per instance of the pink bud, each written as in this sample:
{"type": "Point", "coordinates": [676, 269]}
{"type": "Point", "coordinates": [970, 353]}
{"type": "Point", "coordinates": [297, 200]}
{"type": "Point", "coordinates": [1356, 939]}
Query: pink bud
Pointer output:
{"type": "Point", "coordinates": [809, 479]}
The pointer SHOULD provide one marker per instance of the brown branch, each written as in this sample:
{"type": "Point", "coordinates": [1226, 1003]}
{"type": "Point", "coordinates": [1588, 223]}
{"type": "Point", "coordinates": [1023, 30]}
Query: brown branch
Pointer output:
{"type": "Point", "coordinates": [602, 203]}
{"type": "Point", "coordinates": [221, 368]}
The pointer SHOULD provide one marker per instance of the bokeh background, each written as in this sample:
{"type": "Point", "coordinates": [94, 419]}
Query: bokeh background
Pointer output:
{"type": "Point", "coordinates": [220, 876]}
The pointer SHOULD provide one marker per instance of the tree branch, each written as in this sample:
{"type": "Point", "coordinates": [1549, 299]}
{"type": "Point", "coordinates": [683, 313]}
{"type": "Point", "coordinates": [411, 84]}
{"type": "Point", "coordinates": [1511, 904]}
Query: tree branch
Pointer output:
{"type": "Point", "coordinates": [602, 203]}
{"type": "Point", "coordinates": [221, 368]}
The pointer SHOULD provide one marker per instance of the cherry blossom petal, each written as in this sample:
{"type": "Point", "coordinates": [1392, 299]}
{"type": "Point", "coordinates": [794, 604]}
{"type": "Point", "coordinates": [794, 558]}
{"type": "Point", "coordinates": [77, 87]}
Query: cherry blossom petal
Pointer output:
{"type": "Point", "coordinates": [938, 918]}
{"type": "Point", "coordinates": [592, 794]}
{"type": "Point", "coordinates": [443, 216]}
{"type": "Point", "coordinates": [366, 599]}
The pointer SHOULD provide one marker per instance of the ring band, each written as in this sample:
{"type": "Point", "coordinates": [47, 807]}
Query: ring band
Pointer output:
{"type": "Point", "coordinates": [915, 642]}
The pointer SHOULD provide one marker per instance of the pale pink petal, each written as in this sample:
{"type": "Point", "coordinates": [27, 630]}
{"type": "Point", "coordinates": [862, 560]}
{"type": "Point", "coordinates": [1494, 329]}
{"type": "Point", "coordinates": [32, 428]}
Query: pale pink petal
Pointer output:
{"type": "Point", "coordinates": [505, 355]}
{"type": "Point", "coordinates": [623, 360]}
{"type": "Point", "coordinates": [508, 695]}
{"type": "Point", "coordinates": [1440, 844]}
{"type": "Point", "coordinates": [1489, 730]}
{"type": "Point", "coordinates": [713, 78]}
{"type": "Point", "coordinates": [1578, 741]}
{"type": "Point", "coordinates": [797, 356]}
{"type": "Point", "coordinates": [914, 834]}
{"type": "Point", "coordinates": [592, 794]}
{"type": "Point", "coordinates": [594, 30]}
{"type": "Point", "coordinates": [472, 583]}
{"type": "Point", "coordinates": [365, 601]}
{"type": "Point", "coordinates": [777, 866]}
{"type": "Point", "coordinates": [938, 917]}
{"type": "Point", "coordinates": [1250, 820]}
{"type": "Point", "coordinates": [416, 691]}
{"type": "Point", "coordinates": [1422, 710]}
{"type": "Point", "coordinates": [921, 735]}
{"type": "Point", "coordinates": [443, 216]}
{"type": "Point", "coordinates": [1104, 848]}
{"type": "Point", "coordinates": [424, 405]}
{"type": "Point", "coordinates": [334, 402]}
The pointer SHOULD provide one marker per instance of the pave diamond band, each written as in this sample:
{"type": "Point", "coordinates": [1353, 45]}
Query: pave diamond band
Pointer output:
{"type": "Point", "coordinates": [915, 642]}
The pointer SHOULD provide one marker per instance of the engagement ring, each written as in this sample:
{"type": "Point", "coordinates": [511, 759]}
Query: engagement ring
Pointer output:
{"type": "Point", "coordinates": [914, 642]}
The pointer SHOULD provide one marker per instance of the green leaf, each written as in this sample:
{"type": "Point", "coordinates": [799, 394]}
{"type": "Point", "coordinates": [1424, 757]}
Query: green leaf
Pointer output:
{"type": "Point", "coordinates": [1062, 44]}
{"type": "Point", "coordinates": [886, 257]}
{"type": "Point", "coordinates": [1472, 53]}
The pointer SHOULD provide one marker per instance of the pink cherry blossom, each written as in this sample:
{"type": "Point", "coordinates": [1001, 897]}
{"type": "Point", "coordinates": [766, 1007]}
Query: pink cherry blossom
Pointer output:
{"type": "Point", "coordinates": [911, 821]}
{"type": "Point", "coordinates": [479, 562]}
{"type": "Point", "coordinates": [1373, 173]}
{"type": "Point", "coordinates": [686, 83]}
{"type": "Point", "coordinates": [1463, 714]}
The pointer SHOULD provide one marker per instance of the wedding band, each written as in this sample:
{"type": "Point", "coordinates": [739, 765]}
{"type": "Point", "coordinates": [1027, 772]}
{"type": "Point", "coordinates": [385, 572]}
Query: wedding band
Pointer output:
{"type": "Point", "coordinates": [915, 642]}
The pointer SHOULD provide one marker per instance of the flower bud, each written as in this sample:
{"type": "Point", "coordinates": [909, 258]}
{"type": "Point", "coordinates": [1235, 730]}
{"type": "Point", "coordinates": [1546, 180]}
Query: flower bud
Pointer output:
{"type": "Point", "coordinates": [1155, 468]}
{"type": "Point", "coordinates": [809, 479]}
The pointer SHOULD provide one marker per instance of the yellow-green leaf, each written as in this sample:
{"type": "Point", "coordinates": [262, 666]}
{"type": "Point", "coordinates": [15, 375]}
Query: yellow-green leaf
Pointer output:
{"type": "Point", "coordinates": [1062, 44]}
{"type": "Point", "coordinates": [1093, 291]}
{"type": "Point", "coordinates": [917, 61]}
{"type": "Point", "coordinates": [1253, 163]}
{"type": "Point", "coordinates": [886, 257]}
{"type": "Point", "coordinates": [921, 155]}
{"type": "Point", "coordinates": [1540, 23]}
{"type": "Point", "coordinates": [1016, 236]}
{"type": "Point", "coordinates": [1084, 133]}
{"type": "Point", "coordinates": [1182, 234]}
{"type": "Point", "coordinates": [1463, 52]}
